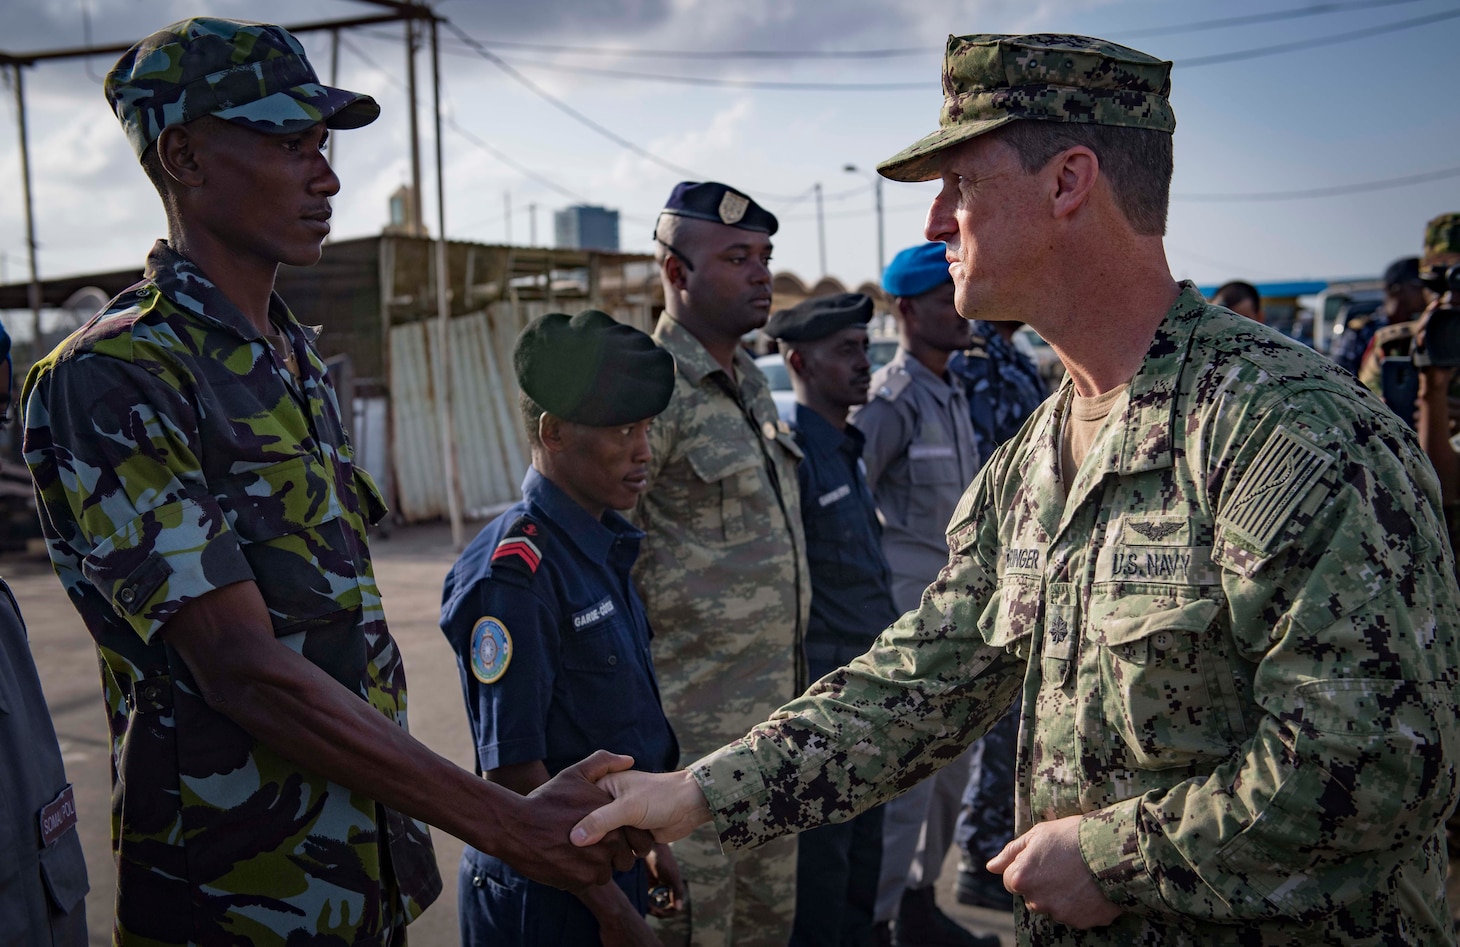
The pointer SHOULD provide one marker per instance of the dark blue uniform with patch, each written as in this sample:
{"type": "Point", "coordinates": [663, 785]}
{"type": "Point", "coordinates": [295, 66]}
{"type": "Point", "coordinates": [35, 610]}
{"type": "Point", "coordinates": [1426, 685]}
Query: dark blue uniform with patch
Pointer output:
{"type": "Point", "coordinates": [553, 648]}
{"type": "Point", "coordinates": [851, 602]}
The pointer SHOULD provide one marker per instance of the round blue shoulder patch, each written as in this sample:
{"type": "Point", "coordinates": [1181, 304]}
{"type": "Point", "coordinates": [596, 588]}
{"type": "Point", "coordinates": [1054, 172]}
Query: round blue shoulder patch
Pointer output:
{"type": "Point", "coordinates": [491, 650]}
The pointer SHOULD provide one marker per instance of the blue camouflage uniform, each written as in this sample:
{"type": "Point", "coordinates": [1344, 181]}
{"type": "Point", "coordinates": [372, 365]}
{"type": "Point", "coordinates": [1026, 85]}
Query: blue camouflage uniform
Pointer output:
{"type": "Point", "coordinates": [1002, 384]}
{"type": "Point", "coordinates": [1004, 388]}
{"type": "Point", "coordinates": [176, 451]}
{"type": "Point", "coordinates": [553, 648]}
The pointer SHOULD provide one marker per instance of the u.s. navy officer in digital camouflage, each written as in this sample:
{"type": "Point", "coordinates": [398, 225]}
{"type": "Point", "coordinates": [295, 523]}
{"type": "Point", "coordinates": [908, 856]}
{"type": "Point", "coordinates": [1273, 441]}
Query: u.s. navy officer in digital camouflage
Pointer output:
{"type": "Point", "coordinates": [549, 633]}
{"type": "Point", "coordinates": [1232, 623]}
{"type": "Point", "coordinates": [723, 567]}
{"type": "Point", "coordinates": [203, 511]}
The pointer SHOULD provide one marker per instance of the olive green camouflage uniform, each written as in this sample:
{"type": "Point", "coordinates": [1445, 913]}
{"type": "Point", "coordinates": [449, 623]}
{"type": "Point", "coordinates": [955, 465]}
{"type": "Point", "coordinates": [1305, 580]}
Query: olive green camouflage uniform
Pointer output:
{"type": "Point", "coordinates": [174, 454]}
{"type": "Point", "coordinates": [1235, 643]}
{"type": "Point", "coordinates": [724, 581]}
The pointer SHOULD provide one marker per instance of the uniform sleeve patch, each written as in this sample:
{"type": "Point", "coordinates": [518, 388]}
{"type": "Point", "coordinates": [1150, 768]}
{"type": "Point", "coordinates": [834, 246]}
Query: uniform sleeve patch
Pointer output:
{"type": "Point", "coordinates": [1273, 487]}
{"type": "Point", "coordinates": [491, 650]}
{"type": "Point", "coordinates": [517, 548]}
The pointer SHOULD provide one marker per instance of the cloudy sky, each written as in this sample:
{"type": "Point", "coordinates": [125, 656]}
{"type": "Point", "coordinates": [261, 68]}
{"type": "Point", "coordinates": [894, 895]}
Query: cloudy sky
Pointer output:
{"type": "Point", "coordinates": [1316, 116]}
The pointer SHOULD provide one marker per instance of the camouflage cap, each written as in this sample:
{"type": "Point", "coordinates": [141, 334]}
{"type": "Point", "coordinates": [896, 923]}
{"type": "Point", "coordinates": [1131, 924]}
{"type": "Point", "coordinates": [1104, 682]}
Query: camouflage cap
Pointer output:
{"type": "Point", "coordinates": [990, 80]}
{"type": "Point", "coordinates": [1442, 236]}
{"type": "Point", "coordinates": [252, 74]}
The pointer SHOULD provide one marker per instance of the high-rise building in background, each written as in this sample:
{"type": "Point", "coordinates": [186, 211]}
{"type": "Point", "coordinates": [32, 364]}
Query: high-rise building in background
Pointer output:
{"type": "Point", "coordinates": [586, 227]}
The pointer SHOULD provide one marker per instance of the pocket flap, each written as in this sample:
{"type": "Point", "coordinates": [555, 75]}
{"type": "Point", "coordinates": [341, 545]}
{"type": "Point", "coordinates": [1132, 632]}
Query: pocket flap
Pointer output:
{"type": "Point", "coordinates": [1139, 616]}
{"type": "Point", "coordinates": [715, 462]}
{"type": "Point", "coordinates": [63, 868]}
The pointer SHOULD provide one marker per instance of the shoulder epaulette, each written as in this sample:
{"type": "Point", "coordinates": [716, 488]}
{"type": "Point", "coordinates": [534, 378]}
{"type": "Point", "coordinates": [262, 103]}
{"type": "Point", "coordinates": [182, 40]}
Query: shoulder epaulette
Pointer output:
{"type": "Point", "coordinates": [1399, 332]}
{"type": "Point", "coordinates": [893, 385]}
{"type": "Point", "coordinates": [518, 549]}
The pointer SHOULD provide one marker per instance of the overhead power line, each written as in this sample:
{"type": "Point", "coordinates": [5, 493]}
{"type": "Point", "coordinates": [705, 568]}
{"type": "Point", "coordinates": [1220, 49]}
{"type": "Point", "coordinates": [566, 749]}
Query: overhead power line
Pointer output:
{"type": "Point", "coordinates": [1319, 40]}
{"type": "Point", "coordinates": [1363, 187]}
{"type": "Point", "coordinates": [1317, 9]}
{"type": "Point", "coordinates": [789, 86]}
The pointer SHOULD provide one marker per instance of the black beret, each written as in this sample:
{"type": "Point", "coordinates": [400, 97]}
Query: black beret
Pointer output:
{"type": "Point", "coordinates": [819, 317]}
{"type": "Point", "coordinates": [590, 369]}
{"type": "Point", "coordinates": [711, 200]}
{"type": "Point", "coordinates": [1401, 271]}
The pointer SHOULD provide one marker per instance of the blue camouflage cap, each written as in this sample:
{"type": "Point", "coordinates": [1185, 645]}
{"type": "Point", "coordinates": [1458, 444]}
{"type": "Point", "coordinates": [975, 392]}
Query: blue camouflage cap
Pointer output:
{"type": "Point", "coordinates": [251, 74]}
{"type": "Point", "coordinates": [916, 270]}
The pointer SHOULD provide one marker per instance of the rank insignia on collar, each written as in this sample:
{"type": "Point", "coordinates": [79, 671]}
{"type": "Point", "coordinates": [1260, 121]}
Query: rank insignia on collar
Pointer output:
{"type": "Point", "coordinates": [491, 650]}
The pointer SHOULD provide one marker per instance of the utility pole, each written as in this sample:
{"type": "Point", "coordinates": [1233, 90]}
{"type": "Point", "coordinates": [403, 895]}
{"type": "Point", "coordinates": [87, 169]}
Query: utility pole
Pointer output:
{"type": "Point", "coordinates": [35, 280]}
{"type": "Point", "coordinates": [877, 192]}
{"type": "Point", "coordinates": [820, 231]}
{"type": "Point", "coordinates": [329, 148]}
{"type": "Point", "coordinates": [532, 224]}
{"type": "Point", "coordinates": [443, 313]}
{"type": "Point", "coordinates": [417, 222]}
{"type": "Point", "coordinates": [507, 214]}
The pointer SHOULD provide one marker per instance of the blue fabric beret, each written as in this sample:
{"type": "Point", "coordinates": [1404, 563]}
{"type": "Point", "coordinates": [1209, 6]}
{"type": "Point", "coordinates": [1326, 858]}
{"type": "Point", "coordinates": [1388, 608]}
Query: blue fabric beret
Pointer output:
{"type": "Point", "coordinates": [916, 270]}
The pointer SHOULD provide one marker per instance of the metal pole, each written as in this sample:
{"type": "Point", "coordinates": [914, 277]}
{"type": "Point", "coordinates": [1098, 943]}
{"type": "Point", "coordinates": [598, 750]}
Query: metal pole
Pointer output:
{"type": "Point", "coordinates": [443, 314]}
{"type": "Point", "coordinates": [820, 231]}
{"type": "Point", "coordinates": [881, 259]}
{"type": "Point", "coordinates": [329, 152]}
{"type": "Point", "coordinates": [417, 223]}
{"type": "Point", "coordinates": [507, 214]}
{"type": "Point", "coordinates": [35, 280]}
{"type": "Point", "coordinates": [532, 225]}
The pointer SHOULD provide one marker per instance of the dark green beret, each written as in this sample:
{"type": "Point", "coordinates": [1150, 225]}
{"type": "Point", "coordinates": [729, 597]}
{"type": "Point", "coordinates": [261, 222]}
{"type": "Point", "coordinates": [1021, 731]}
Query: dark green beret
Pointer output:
{"type": "Point", "coordinates": [593, 370]}
{"type": "Point", "coordinates": [819, 317]}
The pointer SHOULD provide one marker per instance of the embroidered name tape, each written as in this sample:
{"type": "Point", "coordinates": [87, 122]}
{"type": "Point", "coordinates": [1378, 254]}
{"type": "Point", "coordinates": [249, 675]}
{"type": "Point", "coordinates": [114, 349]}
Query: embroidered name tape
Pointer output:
{"type": "Point", "coordinates": [58, 817]}
{"type": "Point", "coordinates": [594, 615]}
{"type": "Point", "coordinates": [827, 499]}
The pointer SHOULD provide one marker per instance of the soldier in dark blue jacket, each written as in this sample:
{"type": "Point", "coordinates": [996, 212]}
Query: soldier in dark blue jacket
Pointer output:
{"type": "Point", "coordinates": [825, 345]}
{"type": "Point", "coordinates": [550, 636]}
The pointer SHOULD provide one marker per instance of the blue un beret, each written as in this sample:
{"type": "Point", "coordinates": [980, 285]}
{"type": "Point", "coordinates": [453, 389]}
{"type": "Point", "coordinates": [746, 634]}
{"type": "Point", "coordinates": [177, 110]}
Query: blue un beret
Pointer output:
{"type": "Point", "coordinates": [592, 370]}
{"type": "Point", "coordinates": [916, 270]}
{"type": "Point", "coordinates": [713, 201]}
{"type": "Point", "coordinates": [819, 317]}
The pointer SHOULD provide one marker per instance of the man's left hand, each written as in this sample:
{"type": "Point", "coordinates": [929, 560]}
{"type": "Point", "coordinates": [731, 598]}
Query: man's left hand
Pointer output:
{"type": "Point", "coordinates": [1045, 867]}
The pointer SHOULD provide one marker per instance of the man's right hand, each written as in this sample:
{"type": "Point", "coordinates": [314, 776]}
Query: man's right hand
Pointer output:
{"type": "Point", "coordinates": [537, 844]}
{"type": "Point", "coordinates": [670, 805]}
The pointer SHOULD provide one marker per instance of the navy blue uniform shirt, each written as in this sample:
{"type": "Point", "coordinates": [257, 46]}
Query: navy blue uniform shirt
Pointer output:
{"type": "Point", "coordinates": [553, 648]}
{"type": "Point", "coordinates": [851, 584]}
{"type": "Point", "coordinates": [570, 647]}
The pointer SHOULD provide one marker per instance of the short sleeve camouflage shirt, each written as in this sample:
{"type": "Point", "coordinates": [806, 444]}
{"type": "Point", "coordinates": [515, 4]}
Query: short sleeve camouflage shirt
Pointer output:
{"type": "Point", "coordinates": [174, 454]}
{"type": "Point", "coordinates": [1235, 641]}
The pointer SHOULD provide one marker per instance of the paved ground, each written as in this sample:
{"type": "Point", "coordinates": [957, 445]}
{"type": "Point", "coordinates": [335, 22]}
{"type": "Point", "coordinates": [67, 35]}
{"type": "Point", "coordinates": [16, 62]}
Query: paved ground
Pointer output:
{"type": "Point", "coordinates": [410, 566]}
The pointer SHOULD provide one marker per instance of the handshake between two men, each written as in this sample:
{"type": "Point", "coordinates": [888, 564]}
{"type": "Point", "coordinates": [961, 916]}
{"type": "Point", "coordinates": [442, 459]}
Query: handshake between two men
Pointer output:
{"type": "Point", "coordinates": [1043, 865]}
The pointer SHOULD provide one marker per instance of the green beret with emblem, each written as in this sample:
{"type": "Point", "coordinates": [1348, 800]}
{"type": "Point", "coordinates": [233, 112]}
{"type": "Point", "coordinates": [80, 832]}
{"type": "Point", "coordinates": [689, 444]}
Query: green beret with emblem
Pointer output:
{"type": "Point", "coordinates": [251, 74]}
{"type": "Point", "coordinates": [990, 80]}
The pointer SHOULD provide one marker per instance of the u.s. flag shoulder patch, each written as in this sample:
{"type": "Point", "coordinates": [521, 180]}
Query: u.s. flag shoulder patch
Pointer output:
{"type": "Point", "coordinates": [517, 549]}
{"type": "Point", "coordinates": [1274, 486]}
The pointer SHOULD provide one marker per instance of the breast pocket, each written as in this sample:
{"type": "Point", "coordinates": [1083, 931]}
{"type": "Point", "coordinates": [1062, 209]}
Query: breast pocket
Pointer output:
{"type": "Point", "coordinates": [290, 526]}
{"type": "Point", "coordinates": [596, 666]}
{"type": "Point", "coordinates": [1165, 672]}
{"type": "Point", "coordinates": [728, 482]}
